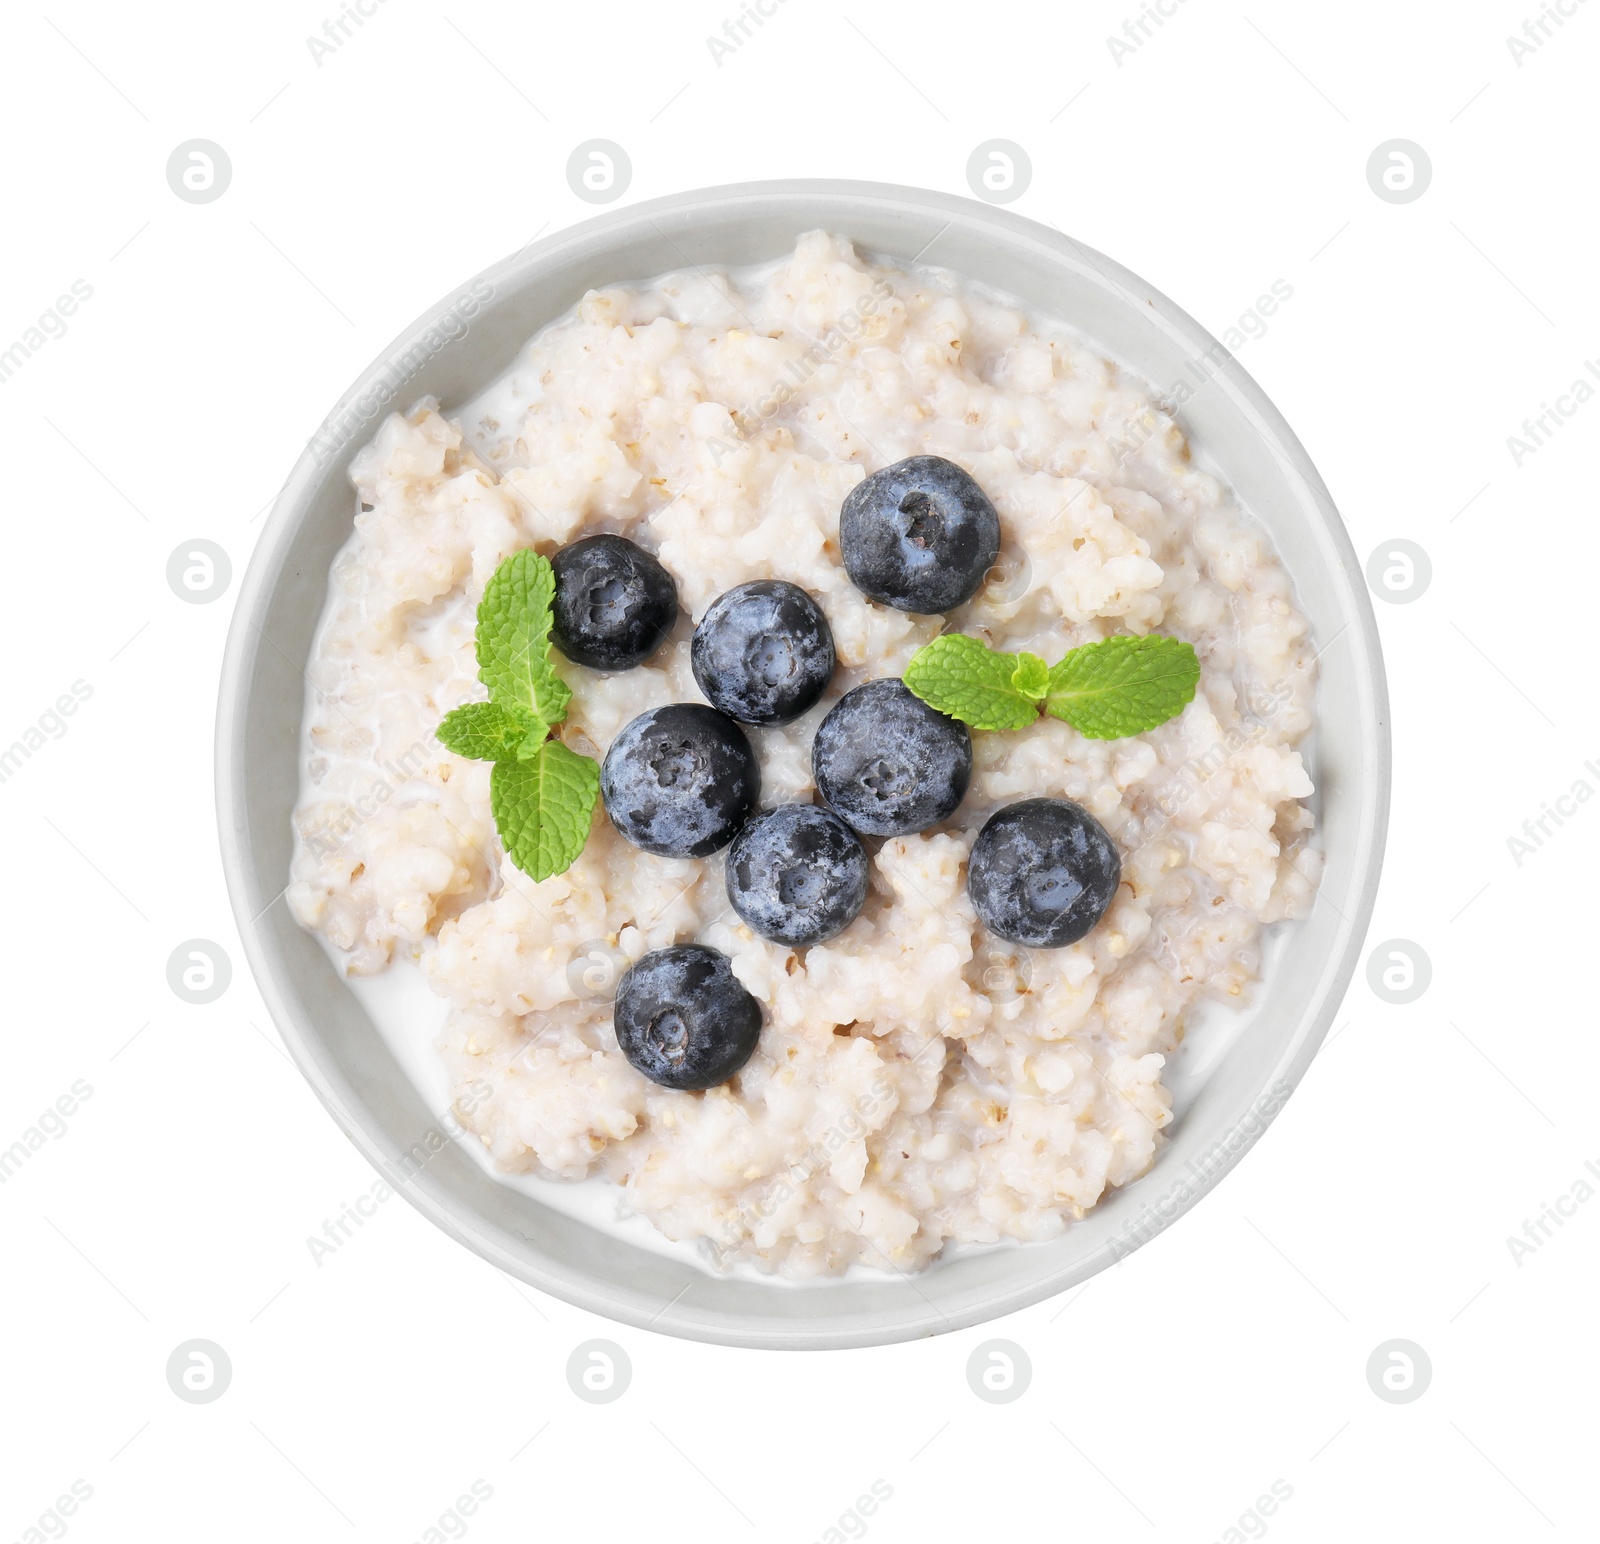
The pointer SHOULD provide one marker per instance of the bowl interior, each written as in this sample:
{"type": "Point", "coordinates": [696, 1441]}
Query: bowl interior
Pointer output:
{"type": "Point", "coordinates": [451, 353]}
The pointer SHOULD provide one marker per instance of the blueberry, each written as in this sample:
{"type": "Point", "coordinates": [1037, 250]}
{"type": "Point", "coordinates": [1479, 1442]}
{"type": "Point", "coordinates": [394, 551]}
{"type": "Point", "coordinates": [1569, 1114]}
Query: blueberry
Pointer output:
{"type": "Point", "coordinates": [683, 1019]}
{"type": "Point", "coordinates": [888, 763]}
{"type": "Point", "coordinates": [763, 652]}
{"type": "Point", "coordinates": [680, 780]}
{"type": "Point", "coordinates": [615, 604]}
{"type": "Point", "coordinates": [797, 874]}
{"type": "Point", "coordinates": [919, 535]}
{"type": "Point", "coordinates": [1042, 872]}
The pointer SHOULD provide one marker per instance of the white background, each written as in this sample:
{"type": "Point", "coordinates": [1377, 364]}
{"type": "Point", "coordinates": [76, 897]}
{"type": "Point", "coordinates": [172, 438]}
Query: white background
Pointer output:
{"type": "Point", "coordinates": [1228, 151]}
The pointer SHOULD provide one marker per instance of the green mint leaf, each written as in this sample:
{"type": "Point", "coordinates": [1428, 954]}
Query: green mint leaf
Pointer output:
{"type": "Point", "coordinates": [1031, 677]}
{"type": "Point", "coordinates": [487, 731]}
{"type": "Point", "coordinates": [514, 637]}
{"type": "Point", "coordinates": [536, 737]}
{"type": "Point", "coordinates": [1123, 686]}
{"type": "Point", "coordinates": [965, 679]}
{"type": "Point", "coordinates": [543, 807]}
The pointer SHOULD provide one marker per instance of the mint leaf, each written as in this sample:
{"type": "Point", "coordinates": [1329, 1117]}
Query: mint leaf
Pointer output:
{"type": "Point", "coordinates": [966, 679]}
{"type": "Point", "coordinates": [486, 731]}
{"type": "Point", "coordinates": [543, 807]}
{"type": "Point", "coordinates": [536, 736]}
{"type": "Point", "coordinates": [514, 637]}
{"type": "Point", "coordinates": [1031, 677]}
{"type": "Point", "coordinates": [1123, 686]}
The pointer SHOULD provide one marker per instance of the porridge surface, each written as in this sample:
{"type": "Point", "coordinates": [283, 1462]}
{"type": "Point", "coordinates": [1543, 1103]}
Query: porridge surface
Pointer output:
{"type": "Point", "coordinates": [918, 1081]}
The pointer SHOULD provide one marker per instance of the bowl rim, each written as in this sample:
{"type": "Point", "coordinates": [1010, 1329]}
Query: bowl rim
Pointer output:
{"type": "Point", "coordinates": [265, 567]}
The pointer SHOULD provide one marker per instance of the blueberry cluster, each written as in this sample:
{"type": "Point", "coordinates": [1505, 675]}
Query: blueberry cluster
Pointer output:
{"type": "Point", "coordinates": [683, 781]}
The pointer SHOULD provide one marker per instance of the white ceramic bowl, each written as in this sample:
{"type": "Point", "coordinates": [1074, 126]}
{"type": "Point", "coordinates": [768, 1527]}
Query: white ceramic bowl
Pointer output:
{"type": "Point", "coordinates": [1235, 429]}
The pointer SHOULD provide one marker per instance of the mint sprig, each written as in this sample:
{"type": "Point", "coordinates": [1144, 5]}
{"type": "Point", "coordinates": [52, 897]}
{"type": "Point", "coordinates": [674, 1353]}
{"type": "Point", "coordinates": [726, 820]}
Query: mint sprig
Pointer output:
{"type": "Point", "coordinates": [542, 794]}
{"type": "Point", "coordinates": [1106, 691]}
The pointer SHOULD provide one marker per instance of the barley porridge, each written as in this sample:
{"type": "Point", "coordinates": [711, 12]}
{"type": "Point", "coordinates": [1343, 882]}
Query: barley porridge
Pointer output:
{"type": "Point", "coordinates": [918, 1081]}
